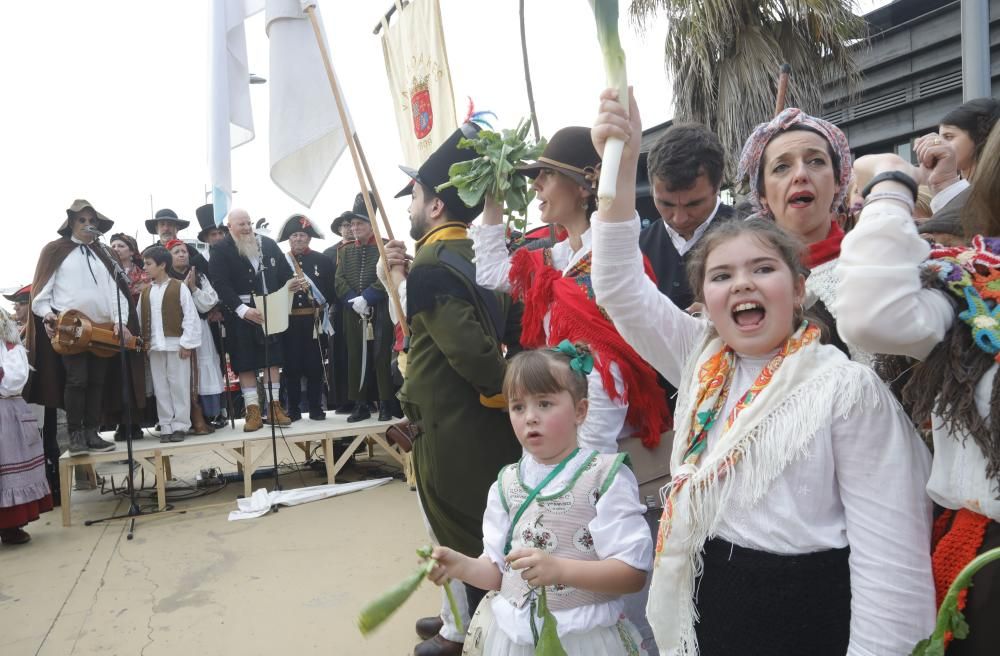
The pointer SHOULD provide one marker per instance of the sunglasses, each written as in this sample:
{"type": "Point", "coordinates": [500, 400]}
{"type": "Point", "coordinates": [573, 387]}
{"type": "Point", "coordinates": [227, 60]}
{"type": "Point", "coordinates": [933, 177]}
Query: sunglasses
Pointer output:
{"type": "Point", "coordinates": [87, 220]}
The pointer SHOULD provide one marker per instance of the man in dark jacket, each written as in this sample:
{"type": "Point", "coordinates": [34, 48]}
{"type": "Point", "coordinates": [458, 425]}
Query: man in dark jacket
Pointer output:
{"type": "Point", "coordinates": [336, 344]}
{"type": "Point", "coordinates": [685, 170]}
{"type": "Point", "coordinates": [166, 224]}
{"type": "Point", "coordinates": [454, 374]}
{"type": "Point", "coordinates": [244, 264]}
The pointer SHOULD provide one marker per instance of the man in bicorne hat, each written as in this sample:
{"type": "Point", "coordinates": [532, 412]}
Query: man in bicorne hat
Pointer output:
{"type": "Point", "coordinates": [244, 264]}
{"type": "Point", "coordinates": [454, 376]}
{"type": "Point", "coordinates": [74, 272]}
{"type": "Point", "coordinates": [367, 326]}
{"type": "Point", "coordinates": [303, 354]}
{"type": "Point", "coordinates": [166, 224]}
{"type": "Point", "coordinates": [336, 372]}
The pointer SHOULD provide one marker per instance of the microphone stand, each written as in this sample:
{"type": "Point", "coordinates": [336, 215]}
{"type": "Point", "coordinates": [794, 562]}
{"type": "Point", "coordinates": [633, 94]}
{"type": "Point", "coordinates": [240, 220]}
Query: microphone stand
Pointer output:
{"type": "Point", "coordinates": [122, 279]}
{"type": "Point", "coordinates": [267, 368]}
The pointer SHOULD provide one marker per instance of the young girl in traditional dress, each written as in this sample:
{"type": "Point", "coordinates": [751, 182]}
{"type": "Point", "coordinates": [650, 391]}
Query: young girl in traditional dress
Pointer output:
{"type": "Point", "coordinates": [796, 521]}
{"type": "Point", "coordinates": [565, 518]}
{"type": "Point", "coordinates": [24, 490]}
{"type": "Point", "coordinates": [935, 310]}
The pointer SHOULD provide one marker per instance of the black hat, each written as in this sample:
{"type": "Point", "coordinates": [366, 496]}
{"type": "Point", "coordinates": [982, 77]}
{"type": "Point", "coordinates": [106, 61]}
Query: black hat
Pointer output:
{"type": "Point", "coordinates": [20, 296]}
{"type": "Point", "coordinates": [298, 223]}
{"type": "Point", "coordinates": [359, 212]}
{"type": "Point", "coordinates": [165, 215]}
{"type": "Point", "coordinates": [571, 152]}
{"type": "Point", "coordinates": [103, 223]}
{"type": "Point", "coordinates": [206, 219]}
{"type": "Point", "coordinates": [434, 172]}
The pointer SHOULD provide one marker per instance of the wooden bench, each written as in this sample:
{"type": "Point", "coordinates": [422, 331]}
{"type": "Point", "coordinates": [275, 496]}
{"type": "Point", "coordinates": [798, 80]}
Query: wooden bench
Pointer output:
{"type": "Point", "coordinates": [249, 450]}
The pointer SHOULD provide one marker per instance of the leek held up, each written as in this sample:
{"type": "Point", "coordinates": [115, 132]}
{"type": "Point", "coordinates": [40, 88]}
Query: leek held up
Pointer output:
{"type": "Point", "coordinates": [606, 15]}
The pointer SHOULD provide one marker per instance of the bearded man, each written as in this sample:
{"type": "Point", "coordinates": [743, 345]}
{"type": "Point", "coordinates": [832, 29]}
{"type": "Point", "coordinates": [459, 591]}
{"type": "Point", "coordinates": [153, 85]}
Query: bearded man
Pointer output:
{"type": "Point", "coordinates": [75, 273]}
{"type": "Point", "coordinates": [303, 356]}
{"type": "Point", "coordinates": [165, 225]}
{"type": "Point", "coordinates": [244, 264]}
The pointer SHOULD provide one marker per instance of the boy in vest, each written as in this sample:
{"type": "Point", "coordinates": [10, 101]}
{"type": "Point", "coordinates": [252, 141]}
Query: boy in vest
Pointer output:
{"type": "Point", "coordinates": [171, 330]}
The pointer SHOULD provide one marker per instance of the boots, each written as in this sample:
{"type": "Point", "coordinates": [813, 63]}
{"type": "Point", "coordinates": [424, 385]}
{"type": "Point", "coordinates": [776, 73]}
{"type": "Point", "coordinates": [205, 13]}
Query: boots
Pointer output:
{"type": "Point", "coordinates": [94, 441]}
{"type": "Point", "coordinates": [198, 424]}
{"type": "Point", "coordinates": [277, 414]}
{"type": "Point", "coordinates": [253, 420]}
{"type": "Point", "coordinates": [77, 442]}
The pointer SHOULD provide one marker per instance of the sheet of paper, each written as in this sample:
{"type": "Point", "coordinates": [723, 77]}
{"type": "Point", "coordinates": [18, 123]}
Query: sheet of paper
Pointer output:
{"type": "Point", "coordinates": [279, 304]}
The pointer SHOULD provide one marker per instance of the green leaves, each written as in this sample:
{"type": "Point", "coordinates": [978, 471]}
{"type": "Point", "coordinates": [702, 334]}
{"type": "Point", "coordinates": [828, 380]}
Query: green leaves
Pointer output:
{"type": "Point", "coordinates": [375, 613]}
{"type": "Point", "coordinates": [494, 171]}
{"type": "Point", "coordinates": [548, 639]}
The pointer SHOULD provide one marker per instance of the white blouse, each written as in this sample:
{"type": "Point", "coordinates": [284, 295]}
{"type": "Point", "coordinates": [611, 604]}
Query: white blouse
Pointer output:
{"type": "Point", "coordinates": [619, 529]}
{"type": "Point", "coordinates": [14, 363]}
{"type": "Point", "coordinates": [883, 307]}
{"type": "Point", "coordinates": [860, 484]}
{"type": "Point", "coordinates": [605, 423]}
{"type": "Point", "coordinates": [82, 283]}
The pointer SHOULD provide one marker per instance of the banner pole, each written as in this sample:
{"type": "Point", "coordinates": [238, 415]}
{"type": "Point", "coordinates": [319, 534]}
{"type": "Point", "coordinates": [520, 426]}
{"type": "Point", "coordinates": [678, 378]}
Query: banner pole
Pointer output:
{"type": "Point", "coordinates": [354, 144]}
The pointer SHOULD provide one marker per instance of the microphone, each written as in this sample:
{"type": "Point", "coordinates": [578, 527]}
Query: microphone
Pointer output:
{"type": "Point", "coordinates": [92, 229]}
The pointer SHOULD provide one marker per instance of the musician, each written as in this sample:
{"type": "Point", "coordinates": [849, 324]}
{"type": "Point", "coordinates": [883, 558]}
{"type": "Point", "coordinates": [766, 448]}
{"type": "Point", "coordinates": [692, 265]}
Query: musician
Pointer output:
{"type": "Point", "coordinates": [166, 224]}
{"type": "Point", "coordinates": [367, 325]}
{"type": "Point", "coordinates": [242, 264]}
{"type": "Point", "coordinates": [74, 272]}
{"type": "Point", "coordinates": [303, 356]}
{"type": "Point", "coordinates": [336, 372]}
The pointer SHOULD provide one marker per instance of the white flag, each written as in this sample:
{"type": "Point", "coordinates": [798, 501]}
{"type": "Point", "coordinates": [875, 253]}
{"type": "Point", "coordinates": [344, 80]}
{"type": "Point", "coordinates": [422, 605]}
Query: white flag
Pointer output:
{"type": "Point", "coordinates": [307, 136]}
{"type": "Point", "coordinates": [231, 120]}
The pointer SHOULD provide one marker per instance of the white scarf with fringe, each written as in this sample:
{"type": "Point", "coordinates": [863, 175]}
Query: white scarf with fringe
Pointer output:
{"type": "Point", "coordinates": [808, 390]}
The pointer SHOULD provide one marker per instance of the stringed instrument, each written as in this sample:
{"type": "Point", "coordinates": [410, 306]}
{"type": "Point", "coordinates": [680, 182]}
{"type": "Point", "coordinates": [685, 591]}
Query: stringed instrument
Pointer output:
{"type": "Point", "coordinates": [76, 333]}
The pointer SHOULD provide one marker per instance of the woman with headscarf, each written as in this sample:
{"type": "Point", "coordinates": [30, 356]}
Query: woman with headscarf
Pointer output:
{"type": "Point", "coordinates": [799, 170]}
{"type": "Point", "coordinates": [554, 284]}
{"type": "Point", "coordinates": [24, 490]}
{"type": "Point", "coordinates": [935, 310]}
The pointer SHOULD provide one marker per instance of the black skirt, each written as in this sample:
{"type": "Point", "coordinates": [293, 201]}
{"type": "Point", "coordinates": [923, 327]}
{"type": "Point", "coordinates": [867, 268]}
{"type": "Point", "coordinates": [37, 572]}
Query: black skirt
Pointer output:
{"type": "Point", "coordinates": [751, 602]}
{"type": "Point", "coordinates": [245, 344]}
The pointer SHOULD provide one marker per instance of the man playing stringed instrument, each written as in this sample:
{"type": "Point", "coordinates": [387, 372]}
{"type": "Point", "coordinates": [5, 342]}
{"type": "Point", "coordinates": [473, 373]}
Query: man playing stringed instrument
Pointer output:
{"type": "Point", "coordinates": [75, 273]}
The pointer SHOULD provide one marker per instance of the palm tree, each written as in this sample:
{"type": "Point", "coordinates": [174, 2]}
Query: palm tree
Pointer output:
{"type": "Point", "coordinates": [723, 57]}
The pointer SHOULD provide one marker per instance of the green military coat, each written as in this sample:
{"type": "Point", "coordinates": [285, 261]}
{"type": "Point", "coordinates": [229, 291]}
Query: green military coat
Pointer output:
{"type": "Point", "coordinates": [453, 359]}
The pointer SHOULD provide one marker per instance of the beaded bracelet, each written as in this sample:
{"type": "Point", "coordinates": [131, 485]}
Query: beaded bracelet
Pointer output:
{"type": "Point", "coordinates": [897, 196]}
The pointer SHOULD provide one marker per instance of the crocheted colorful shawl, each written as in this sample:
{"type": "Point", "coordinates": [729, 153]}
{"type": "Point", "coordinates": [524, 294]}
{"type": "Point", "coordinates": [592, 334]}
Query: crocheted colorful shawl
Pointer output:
{"type": "Point", "coordinates": [574, 315]}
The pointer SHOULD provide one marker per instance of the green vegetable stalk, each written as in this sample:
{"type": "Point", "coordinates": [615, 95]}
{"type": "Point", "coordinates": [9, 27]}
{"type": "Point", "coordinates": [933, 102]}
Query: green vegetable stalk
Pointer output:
{"type": "Point", "coordinates": [606, 15]}
{"type": "Point", "coordinates": [494, 171]}
{"type": "Point", "coordinates": [949, 617]}
{"type": "Point", "coordinates": [548, 639]}
{"type": "Point", "coordinates": [375, 613]}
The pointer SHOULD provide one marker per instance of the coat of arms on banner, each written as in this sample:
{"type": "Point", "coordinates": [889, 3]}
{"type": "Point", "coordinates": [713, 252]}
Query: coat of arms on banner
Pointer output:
{"type": "Point", "coordinates": [420, 105]}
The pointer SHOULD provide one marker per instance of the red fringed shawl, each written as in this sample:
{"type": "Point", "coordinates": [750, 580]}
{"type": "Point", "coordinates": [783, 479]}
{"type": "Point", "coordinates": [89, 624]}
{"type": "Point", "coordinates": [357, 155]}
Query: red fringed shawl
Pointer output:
{"type": "Point", "coordinates": [826, 249]}
{"type": "Point", "coordinates": [574, 315]}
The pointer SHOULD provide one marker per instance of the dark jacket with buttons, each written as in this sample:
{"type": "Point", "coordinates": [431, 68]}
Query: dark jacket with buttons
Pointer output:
{"type": "Point", "coordinates": [233, 275]}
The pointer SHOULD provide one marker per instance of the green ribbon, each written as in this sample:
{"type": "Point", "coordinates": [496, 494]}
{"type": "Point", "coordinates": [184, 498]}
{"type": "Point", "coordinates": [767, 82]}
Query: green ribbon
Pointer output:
{"type": "Point", "coordinates": [580, 361]}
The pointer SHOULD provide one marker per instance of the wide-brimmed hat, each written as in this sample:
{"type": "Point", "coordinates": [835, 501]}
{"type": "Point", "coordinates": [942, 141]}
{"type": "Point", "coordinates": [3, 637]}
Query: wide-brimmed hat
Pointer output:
{"type": "Point", "coordinates": [571, 152]}
{"type": "Point", "coordinates": [165, 215]}
{"type": "Point", "coordinates": [206, 219]}
{"type": "Point", "coordinates": [20, 296]}
{"type": "Point", "coordinates": [434, 172]}
{"type": "Point", "coordinates": [298, 223]}
{"type": "Point", "coordinates": [103, 223]}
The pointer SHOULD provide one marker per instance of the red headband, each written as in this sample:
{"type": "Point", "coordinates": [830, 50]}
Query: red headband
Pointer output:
{"type": "Point", "coordinates": [173, 242]}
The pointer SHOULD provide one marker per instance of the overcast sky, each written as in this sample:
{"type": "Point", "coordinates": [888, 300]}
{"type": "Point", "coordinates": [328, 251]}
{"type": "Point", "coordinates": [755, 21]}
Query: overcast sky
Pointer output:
{"type": "Point", "coordinates": [107, 100]}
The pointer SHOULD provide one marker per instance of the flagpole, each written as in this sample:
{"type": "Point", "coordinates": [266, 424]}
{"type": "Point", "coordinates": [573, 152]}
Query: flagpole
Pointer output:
{"type": "Point", "coordinates": [354, 144]}
{"type": "Point", "coordinates": [371, 183]}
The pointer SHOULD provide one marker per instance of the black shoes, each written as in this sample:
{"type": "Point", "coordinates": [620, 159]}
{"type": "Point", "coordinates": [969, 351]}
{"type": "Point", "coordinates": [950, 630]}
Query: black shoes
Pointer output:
{"type": "Point", "coordinates": [384, 413]}
{"type": "Point", "coordinates": [345, 409]}
{"type": "Point", "coordinates": [94, 442]}
{"type": "Point", "coordinates": [317, 415]}
{"type": "Point", "coordinates": [361, 412]}
{"type": "Point", "coordinates": [77, 442]}
{"type": "Point", "coordinates": [177, 436]}
{"type": "Point", "coordinates": [295, 416]}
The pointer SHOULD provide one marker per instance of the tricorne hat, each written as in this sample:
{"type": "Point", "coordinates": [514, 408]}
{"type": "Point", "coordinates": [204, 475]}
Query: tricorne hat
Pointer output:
{"type": "Point", "coordinates": [165, 215]}
{"type": "Point", "coordinates": [434, 172]}
{"type": "Point", "coordinates": [103, 223]}
{"type": "Point", "coordinates": [298, 223]}
{"type": "Point", "coordinates": [20, 296]}
{"type": "Point", "coordinates": [571, 152]}
{"type": "Point", "coordinates": [206, 219]}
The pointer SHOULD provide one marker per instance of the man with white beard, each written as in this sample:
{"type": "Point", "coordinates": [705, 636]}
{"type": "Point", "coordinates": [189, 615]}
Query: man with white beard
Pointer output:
{"type": "Point", "coordinates": [243, 264]}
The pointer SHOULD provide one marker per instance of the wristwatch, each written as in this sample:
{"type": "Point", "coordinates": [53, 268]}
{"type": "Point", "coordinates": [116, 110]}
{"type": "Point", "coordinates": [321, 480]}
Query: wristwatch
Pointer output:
{"type": "Point", "coordinates": [894, 176]}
